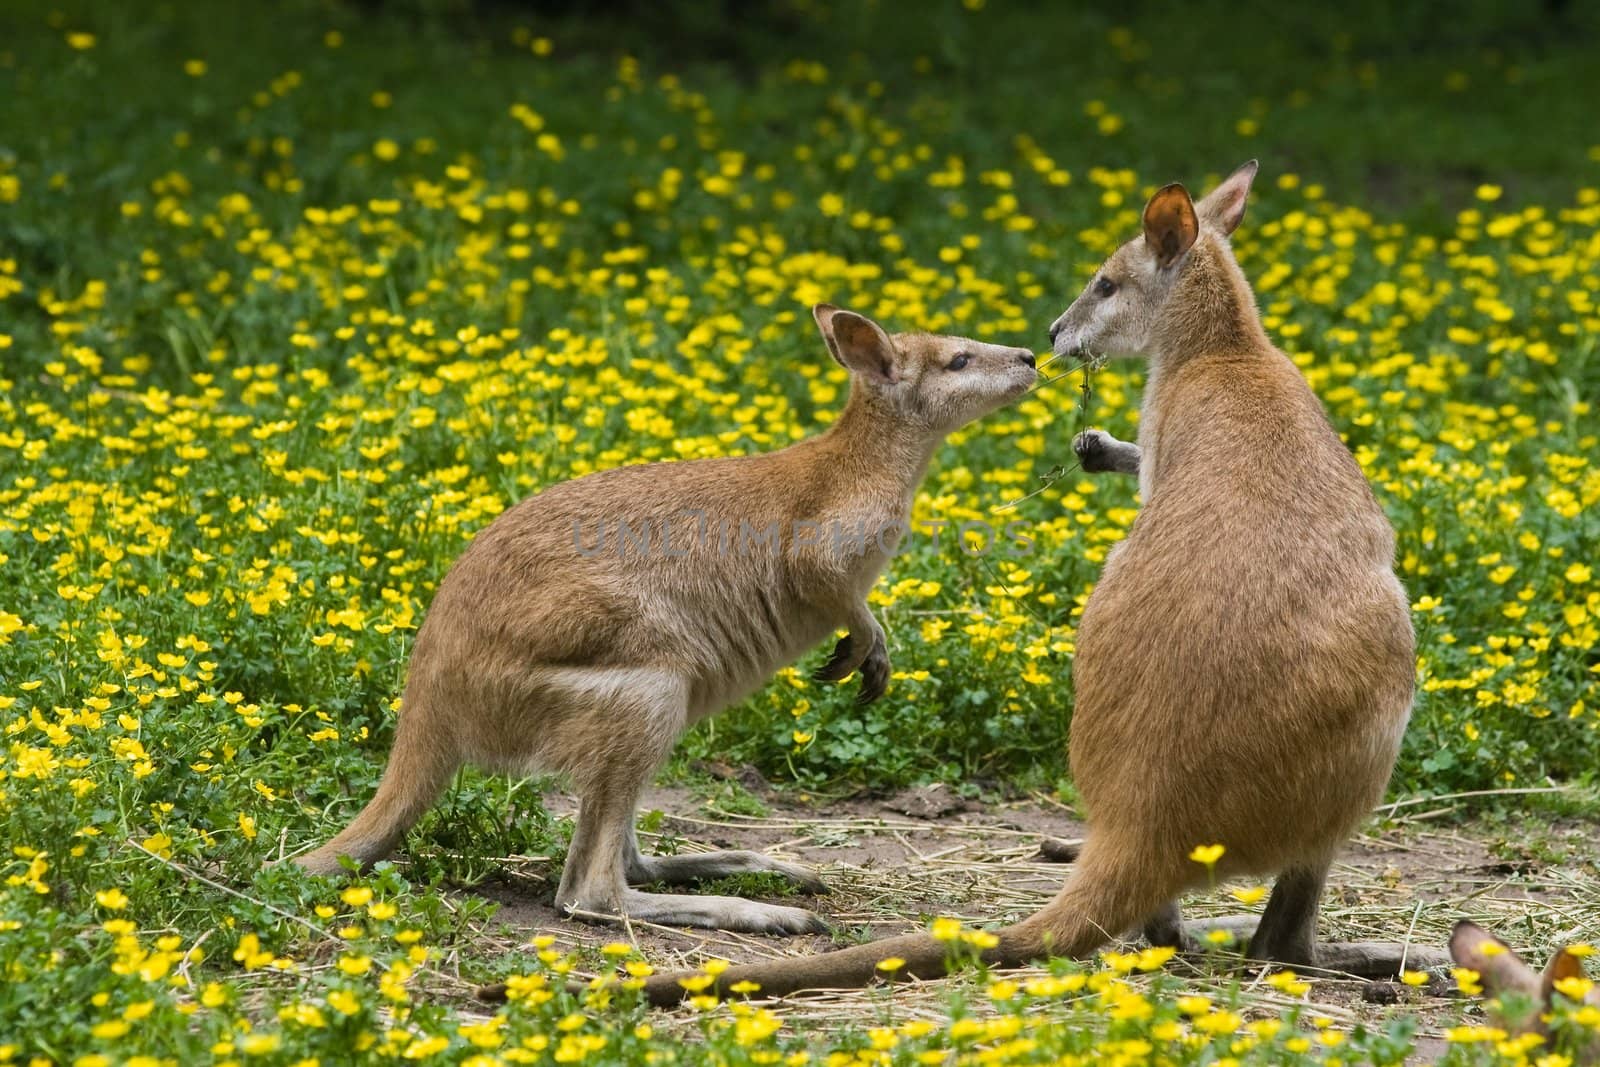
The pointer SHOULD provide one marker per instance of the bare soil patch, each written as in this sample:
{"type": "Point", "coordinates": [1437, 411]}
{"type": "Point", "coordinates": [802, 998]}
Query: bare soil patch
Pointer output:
{"type": "Point", "coordinates": [1406, 878]}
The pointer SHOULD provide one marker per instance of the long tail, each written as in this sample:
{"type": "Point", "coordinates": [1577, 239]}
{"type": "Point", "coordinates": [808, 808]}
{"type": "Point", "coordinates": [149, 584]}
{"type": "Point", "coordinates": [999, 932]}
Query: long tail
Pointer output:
{"type": "Point", "coordinates": [420, 765]}
{"type": "Point", "coordinates": [1102, 899]}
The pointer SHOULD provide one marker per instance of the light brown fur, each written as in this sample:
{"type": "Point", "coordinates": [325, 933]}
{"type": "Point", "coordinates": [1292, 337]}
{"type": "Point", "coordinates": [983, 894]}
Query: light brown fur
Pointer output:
{"type": "Point", "coordinates": [540, 653]}
{"type": "Point", "coordinates": [1522, 997]}
{"type": "Point", "coordinates": [1244, 667]}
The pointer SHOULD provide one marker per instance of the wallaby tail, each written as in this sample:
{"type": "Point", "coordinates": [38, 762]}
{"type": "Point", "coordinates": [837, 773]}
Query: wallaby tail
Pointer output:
{"type": "Point", "coordinates": [1101, 900]}
{"type": "Point", "coordinates": [420, 765]}
{"type": "Point", "coordinates": [923, 956]}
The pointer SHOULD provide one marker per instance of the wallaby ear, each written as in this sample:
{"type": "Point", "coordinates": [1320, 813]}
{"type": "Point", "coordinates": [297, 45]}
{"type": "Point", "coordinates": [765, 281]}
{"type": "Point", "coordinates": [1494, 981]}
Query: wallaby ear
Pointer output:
{"type": "Point", "coordinates": [858, 343]}
{"type": "Point", "coordinates": [1170, 225]}
{"type": "Point", "coordinates": [1562, 966]}
{"type": "Point", "coordinates": [1223, 207]}
{"type": "Point", "coordinates": [1501, 969]}
{"type": "Point", "coordinates": [824, 314]}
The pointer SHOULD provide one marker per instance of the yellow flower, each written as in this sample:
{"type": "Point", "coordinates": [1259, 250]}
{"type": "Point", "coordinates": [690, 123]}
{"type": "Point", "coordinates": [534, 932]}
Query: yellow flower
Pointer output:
{"type": "Point", "coordinates": [344, 1002]}
{"type": "Point", "coordinates": [1468, 980]}
{"type": "Point", "coordinates": [1207, 854]}
{"type": "Point", "coordinates": [355, 965]}
{"type": "Point", "coordinates": [112, 899]}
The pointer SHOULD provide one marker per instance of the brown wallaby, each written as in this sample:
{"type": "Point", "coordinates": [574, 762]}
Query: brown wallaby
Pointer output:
{"type": "Point", "coordinates": [590, 625]}
{"type": "Point", "coordinates": [1244, 666]}
{"type": "Point", "coordinates": [1523, 997]}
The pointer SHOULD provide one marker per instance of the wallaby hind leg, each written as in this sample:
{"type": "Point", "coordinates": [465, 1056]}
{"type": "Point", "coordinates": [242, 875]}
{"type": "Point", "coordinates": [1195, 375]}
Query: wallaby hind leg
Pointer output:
{"type": "Point", "coordinates": [594, 883]}
{"type": "Point", "coordinates": [700, 867]}
{"type": "Point", "coordinates": [636, 728]}
{"type": "Point", "coordinates": [1288, 935]}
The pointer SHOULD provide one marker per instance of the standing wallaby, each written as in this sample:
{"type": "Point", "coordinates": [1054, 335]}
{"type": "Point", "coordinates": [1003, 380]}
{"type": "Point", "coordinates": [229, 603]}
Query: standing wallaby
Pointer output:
{"type": "Point", "coordinates": [1523, 997]}
{"type": "Point", "coordinates": [1244, 666]}
{"type": "Point", "coordinates": [589, 626]}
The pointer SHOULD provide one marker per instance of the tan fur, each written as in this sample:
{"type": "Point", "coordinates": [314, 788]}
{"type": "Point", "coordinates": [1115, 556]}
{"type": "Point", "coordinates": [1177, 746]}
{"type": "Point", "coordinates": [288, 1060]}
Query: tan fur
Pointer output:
{"type": "Point", "coordinates": [1522, 996]}
{"type": "Point", "coordinates": [1244, 667]}
{"type": "Point", "coordinates": [537, 656]}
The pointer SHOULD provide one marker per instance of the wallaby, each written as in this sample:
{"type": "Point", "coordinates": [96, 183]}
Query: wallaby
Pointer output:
{"type": "Point", "coordinates": [590, 625]}
{"type": "Point", "coordinates": [1531, 994]}
{"type": "Point", "coordinates": [1244, 666]}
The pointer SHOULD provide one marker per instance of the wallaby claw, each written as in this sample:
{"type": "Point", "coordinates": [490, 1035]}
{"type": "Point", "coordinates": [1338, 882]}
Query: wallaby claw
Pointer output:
{"type": "Point", "coordinates": [840, 665]}
{"type": "Point", "coordinates": [1099, 453]}
{"type": "Point", "coordinates": [847, 659]}
{"type": "Point", "coordinates": [874, 675]}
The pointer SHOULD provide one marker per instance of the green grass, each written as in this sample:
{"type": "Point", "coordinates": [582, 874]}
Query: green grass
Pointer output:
{"type": "Point", "coordinates": [280, 332]}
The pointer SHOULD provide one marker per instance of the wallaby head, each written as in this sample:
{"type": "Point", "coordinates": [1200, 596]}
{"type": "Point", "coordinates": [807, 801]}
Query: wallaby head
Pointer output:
{"type": "Point", "coordinates": [1134, 305]}
{"type": "Point", "coordinates": [1523, 996]}
{"type": "Point", "coordinates": [933, 383]}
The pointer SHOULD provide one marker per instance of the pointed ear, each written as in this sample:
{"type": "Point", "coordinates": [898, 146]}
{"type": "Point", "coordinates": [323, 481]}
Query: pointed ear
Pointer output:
{"type": "Point", "coordinates": [824, 314]}
{"type": "Point", "coordinates": [859, 344]}
{"type": "Point", "coordinates": [1223, 207]}
{"type": "Point", "coordinates": [1170, 225]}
{"type": "Point", "coordinates": [1501, 969]}
{"type": "Point", "coordinates": [1563, 966]}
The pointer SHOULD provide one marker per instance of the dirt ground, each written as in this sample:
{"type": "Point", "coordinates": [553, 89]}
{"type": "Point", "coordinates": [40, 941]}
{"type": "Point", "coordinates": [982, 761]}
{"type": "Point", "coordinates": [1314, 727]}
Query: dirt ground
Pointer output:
{"type": "Point", "coordinates": [894, 863]}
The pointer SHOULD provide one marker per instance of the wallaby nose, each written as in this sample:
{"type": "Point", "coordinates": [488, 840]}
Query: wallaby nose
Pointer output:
{"type": "Point", "coordinates": [1055, 328]}
{"type": "Point", "coordinates": [1027, 357]}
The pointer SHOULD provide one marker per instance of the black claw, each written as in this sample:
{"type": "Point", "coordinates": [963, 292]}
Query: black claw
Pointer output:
{"type": "Point", "coordinates": [818, 925]}
{"type": "Point", "coordinates": [836, 669]}
{"type": "Point", "coordinates": [874, 678]}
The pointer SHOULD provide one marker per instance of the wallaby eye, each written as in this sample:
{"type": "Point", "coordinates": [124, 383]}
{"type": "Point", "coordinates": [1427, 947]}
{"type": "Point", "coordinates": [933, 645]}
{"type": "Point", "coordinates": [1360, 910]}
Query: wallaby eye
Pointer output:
{"type": "Point", "coordinates": [961, 360]}
{"type": "Point", "coordinates": [1104, 287]}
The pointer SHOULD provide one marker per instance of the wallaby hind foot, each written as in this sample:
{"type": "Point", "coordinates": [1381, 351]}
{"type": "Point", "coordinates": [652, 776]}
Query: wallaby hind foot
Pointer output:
{"type": "Point", "coordinates": [704, 866]}
{"type": "Point", "coordinates": [735, 914]}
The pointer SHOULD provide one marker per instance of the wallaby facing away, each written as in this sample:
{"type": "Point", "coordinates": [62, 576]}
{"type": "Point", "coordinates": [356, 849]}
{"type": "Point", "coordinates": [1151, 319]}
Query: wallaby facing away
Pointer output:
{"type": "Point", "coordinates": [1244, 666]}
{"type": "Point", "coordinates": [587, 627]}
{"type": "Point", "coordinates": [1503, 972]}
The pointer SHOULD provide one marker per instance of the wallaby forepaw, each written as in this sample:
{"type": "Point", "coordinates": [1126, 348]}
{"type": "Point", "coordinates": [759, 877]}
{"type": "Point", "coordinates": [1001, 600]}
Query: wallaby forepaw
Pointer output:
{"type": "Point", "coordinates": [840, 665]}
{"type": "Point", "coordinates": [1094, 449]}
